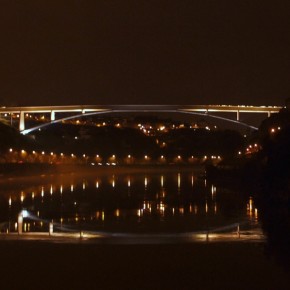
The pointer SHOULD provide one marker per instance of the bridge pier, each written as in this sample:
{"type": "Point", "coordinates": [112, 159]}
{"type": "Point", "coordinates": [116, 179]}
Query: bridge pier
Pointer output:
{"type": "Point", "coordinates": [21, 121]}
{"type": "Point", "coordinates": [52, 116]}
{"type": "Point", "coordinates": [238, 115]}
{"type": "Point", "coordinates": [20, 223]}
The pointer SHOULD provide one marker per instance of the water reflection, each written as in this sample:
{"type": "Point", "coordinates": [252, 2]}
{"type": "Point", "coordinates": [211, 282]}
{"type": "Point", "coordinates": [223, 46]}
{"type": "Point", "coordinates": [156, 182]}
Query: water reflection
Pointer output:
{"type": "Point", "coordinates": [151, 202]}
{"type": "Point", "coordinates": [252, 211]}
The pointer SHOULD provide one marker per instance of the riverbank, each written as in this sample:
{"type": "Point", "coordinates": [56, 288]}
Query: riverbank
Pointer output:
{"type": "Point", "coordinates": [41, 265]}
{"type": "Point", "coordinates": [23, 173]}
{"type": "Point", "coordinates": [20, 169]}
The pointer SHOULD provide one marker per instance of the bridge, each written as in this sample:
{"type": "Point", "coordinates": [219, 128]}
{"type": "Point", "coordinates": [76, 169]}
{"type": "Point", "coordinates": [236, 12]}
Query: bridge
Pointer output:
{"type": "Point", "coordinates": [83, 110]}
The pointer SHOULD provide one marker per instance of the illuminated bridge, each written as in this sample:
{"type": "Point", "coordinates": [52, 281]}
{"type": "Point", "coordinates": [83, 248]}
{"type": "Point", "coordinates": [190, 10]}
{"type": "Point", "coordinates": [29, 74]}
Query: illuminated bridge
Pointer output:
{"type": "Point", "coordinates": [85, 110]}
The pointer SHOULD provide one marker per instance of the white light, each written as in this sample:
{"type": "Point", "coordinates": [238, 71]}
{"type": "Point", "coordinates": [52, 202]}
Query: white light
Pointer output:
{"type": "Point", "coordinates": [25, 213]}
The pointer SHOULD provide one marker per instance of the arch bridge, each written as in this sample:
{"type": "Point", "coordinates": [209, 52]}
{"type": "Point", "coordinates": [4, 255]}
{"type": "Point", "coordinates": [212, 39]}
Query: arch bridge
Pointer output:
{"type": "Point", "coordinates": [85, 110]}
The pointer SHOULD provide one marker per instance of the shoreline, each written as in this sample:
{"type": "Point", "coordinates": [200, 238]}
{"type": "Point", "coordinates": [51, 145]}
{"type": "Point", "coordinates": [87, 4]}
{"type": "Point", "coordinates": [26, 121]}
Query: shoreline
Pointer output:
{"type": "Point", "coordinates": [17, 172]}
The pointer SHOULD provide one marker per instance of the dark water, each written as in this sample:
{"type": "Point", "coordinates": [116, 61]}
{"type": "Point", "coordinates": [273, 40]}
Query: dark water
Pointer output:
{"type": "Point", "coordinates": [160, 205]}
{"type": "Point", "coordinates": [138, 202]}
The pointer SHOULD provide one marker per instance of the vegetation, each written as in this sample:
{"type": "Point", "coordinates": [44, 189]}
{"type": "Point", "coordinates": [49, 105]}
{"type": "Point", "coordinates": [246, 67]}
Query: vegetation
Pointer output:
{"type": "Point", "coordinates": [123, 141]}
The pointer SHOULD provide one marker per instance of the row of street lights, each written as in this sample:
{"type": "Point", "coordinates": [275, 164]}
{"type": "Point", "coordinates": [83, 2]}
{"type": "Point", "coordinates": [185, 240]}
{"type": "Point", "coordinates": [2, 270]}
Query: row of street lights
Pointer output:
{"type": "Point", "coordinates": [52, 157]}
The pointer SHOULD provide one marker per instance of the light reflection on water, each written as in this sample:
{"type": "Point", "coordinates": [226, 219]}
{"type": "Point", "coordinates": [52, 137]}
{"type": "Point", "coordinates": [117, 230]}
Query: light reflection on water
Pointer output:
{"type": "Point", "coordinates": [151, 202]}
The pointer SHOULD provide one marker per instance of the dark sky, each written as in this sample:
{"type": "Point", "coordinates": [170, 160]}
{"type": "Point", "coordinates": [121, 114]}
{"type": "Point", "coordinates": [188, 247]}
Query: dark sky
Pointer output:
{"type": "Point", "coordinates": [144, 52]}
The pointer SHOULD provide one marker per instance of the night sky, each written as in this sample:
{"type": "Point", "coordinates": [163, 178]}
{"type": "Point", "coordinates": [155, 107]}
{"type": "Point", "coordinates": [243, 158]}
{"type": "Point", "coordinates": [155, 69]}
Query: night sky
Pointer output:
{"type": "Point", "coordinates": [144, 52]}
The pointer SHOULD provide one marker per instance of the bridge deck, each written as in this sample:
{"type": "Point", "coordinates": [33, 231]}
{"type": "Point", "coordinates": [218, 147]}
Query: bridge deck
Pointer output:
{"type": "Point", "coordinates": [151, 108]}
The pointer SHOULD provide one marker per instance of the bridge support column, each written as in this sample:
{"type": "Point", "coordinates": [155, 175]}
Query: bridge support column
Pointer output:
{"type": "Point", "coordinates": [269, 114]}
{"type": "Point", "coordinates": [22, 121]}
{"type": "Point", "coordinates": [20, 223]}
{"type": "Point", "coordinates": [52, 116]}
{"type": "Point", "coordinates": [50, 231]}
{"type": "Point", "coordinates": [238, 115]}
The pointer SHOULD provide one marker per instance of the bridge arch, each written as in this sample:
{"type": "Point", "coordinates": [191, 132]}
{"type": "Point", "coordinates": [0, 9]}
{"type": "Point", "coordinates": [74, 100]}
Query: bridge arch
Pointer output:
{"type": "Point", "coordinates": [27, 131]}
